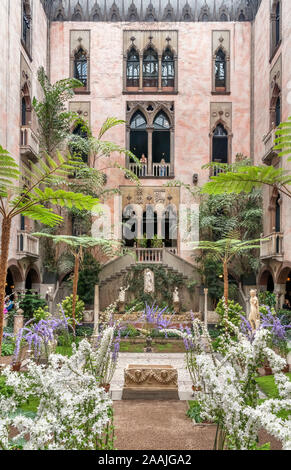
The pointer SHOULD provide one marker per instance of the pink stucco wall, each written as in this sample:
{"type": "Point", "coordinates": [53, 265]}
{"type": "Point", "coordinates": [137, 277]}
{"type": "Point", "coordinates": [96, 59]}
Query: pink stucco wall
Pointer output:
{"type": "Point", "coordinates": [192, 103]}
{"type": "Point", "coordinates": [262, 69]}
{"type": "Point", "coordinates": [10, 93]}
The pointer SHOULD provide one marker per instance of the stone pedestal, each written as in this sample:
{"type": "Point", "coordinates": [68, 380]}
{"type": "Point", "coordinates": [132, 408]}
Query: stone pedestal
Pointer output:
{"type": "Point", "coordinates": [150, 382]}
{"type": "Point", "coordinates": [121, 307]}
{"type": "Point", "coordinates": [176, 306]}
{"type": "Point", "coordinates": [18, 321]}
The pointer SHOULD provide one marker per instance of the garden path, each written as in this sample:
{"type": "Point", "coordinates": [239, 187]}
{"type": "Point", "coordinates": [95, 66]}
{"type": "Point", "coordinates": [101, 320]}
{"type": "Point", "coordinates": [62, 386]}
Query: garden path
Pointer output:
{"type": "Point", "coordinates": [158, 425]}
{"type": "Point", "coordinates": [177, 360]}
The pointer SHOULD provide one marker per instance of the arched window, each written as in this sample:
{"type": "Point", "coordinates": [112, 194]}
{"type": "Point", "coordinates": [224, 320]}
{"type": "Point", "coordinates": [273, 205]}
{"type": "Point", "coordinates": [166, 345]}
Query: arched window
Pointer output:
{"type": "Point", "coordinates": [220, 70]}
{"type": "Point", "coordinates": [25, 106]}
{"type": "Point", "coordinates": [138, 135]}
{"type": "Point", "coordinates": [278, 23]}
{"type": "Point", "coordinates": [220, 145]}
{"type": "Point", "coordinates": [278, 112]}
{"type": "Point", "coordinates": [161, 145]}
{"type": "Point", "coordinates": [81, 67]}
{"type": "Point", "coordinates": [241, 16]}
{"type": "Point", "coordinates": [223, 17]}
{"type": "Point", "coordinates": [278, 214]}
{"type": "Point", "coordinates": [132, 69]}
{"type": "Point", "coordinates": [168, 69]}
{"type": "Point", "coordinates": [150, 68]}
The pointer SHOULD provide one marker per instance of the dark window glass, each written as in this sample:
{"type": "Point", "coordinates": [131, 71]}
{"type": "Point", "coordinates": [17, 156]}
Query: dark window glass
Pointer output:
{"type": "Point", "coordinates": [132, 69]}
{"type": "Point", "coordinates": [220, 145]}
{"type": "Point", "coordinates": [223, 17]}
{"type": "Point", "coordinates": [278, 215]}
{"type": "Point", "coordinates": [168, 69]}
{"type": "Point", "coordinates": [161, 122]}
{"type": "Point", "coordinates": [161, 139]}
{"type": "Point", "coordinates": [278, 112]}
{"type": "Point", "coordinates": [150, 68]}
{"type": "Point", "coordinates": [26, 27]}
{"type": "Point", "coordinates": [81, 67]}
{"type": "Point", "coordinates": [241, 16]}
{"type": "Point", "coordinates": [205, 17]}
{"type": "Point", "coordinates": [138, 135]}
{"type": "Point", "coordinates": [23, 112]}
{"type": "Point", "coordinates": [220, 69]}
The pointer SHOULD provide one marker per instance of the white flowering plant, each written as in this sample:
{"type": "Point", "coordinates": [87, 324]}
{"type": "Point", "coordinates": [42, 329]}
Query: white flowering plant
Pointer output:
{"type": "Point", "coordinates": [227, 390]}
{"type": "Point", "coordinates": [73, 413]}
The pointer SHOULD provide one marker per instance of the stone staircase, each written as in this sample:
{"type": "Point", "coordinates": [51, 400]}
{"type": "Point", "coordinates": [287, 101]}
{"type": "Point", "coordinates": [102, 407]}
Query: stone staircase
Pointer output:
{"type": "Point", "coordinates": [114, 273]}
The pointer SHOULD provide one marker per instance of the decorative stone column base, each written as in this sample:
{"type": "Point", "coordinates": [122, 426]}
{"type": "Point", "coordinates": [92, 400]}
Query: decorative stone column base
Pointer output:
{"type": "Point", "coordinates": [176, 307]}
{"type": "Point", "coordinates": [121, 307]}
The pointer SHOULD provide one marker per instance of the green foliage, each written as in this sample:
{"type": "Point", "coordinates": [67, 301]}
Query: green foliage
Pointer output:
{"type": "Point", "coordinates": [267, 298]}
{"type": "Point", "coordinates": [84, 331]}
{"type": "Point", "coordinates": [210, 271]}
{"type": "Point", "coordinates": [194, 411]}
{"type": "Point", "coordinates": [285, 316]}
{"type": "Point", "coordinates": [234, 312]}
{"type": "Point", "coordinates": [268, 386]}
{"type": "Point", "coordinates": [7, 349]}
{"type": "Point", "coordinates": [130, 331]}
{"type": "Point", "coordinates": [88, 278]}
{"type": "Point", "coordinates": [54, 120]}
{"type": "Point", "coordinates": [31, 303]}
{"type": "Point", "coordinates": [67, 304]}
{"type": "Point", "coordinates": [41, 314]}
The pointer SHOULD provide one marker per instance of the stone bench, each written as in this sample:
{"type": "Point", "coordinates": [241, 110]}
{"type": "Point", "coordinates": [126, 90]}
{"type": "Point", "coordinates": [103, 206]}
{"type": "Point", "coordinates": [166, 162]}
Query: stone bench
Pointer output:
{"type": "Point", "coordinates": [150, 382]}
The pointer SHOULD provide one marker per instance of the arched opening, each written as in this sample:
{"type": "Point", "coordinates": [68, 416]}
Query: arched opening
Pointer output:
{"type": "Point", "coordinates": [81, 66]}
{"type": "Point", "coordinates": [278, 214]}
{"type": "Point", "coordinates": [139, 136]}
{"type": "Point", "coordinates": [129, 226]}
{"type": "Point", "coordinates": [32, 279]}
{"type": "Point", "coordinates": [9, 283]}
{"type": "Point", "coordinates": [149, 225]}
{"type": "Point", "coordinates": [266, 281]}
{"type": "Point", "coordinates": [168, 69]}
{"type": "Point", "coordinates": [25, 106]}
{"type": "Point", "coordinates": [169, 227]}
{"type": "Point", "coordinates": [150, 68]}
{"type": "Point", "coordinates": [161, 145]}
{"type": "Point", "coordinates": [241, 16]}
{"type": "Point", "coordinates": [275, 107]}
{"type": "Point", "coordinates": [204, 17]}
{"type": "Point", "coordinates": [223, 17]}
{"type": "Point", "coordinates": [132, 69]}
{"type": "Point", "coordinates": [220, 145]}
{"type": "Point", "coordinates": [220, 70]}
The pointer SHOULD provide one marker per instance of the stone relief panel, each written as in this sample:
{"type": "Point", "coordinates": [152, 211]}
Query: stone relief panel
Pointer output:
{"type": "Point", "coordinates": [142, 39]}
{"type": "Point", "coordinates": [150, 110]}
{"type": "Point", "coordinates": [150, 195]}
{"type": "Point", "coordinates": [82, 108]}
{"type": "Point", "coordinates": [221, 112]}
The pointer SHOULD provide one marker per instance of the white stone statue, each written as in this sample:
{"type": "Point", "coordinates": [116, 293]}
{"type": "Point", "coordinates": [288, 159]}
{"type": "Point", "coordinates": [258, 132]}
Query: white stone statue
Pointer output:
{"type": "Point", "coordinates": [176, 295]}
{"type": "Point", "coordinates": [254, 316]}
{"type": "Point", "coordinates": [149, 281]}
{"type": "Point", "coordinates": [121, 297]}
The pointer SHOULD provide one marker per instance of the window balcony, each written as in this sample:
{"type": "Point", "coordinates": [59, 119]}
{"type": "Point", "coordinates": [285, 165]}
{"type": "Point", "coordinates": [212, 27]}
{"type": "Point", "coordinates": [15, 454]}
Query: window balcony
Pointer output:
{"type": "Point", "coordinates": [269, 142]}
{"type": "Point", "coordinates": [27, 245]}
{"type": "Point", "coordinates": [29, 145]}
{"type": "Point", "coordinates": [158, 170]}
{"type": "Point", "coordinates": [272, 246]}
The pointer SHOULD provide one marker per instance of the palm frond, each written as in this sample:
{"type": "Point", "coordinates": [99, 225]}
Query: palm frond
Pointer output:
{"type": "Point", "coordinates": [108, 124]}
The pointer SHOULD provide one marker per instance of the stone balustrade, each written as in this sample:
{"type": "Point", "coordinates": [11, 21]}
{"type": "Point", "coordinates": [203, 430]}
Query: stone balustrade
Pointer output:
{"type": "Point", "coordinates": [272, 246]}
{"type": "Point", "coordinates": [27, 245]}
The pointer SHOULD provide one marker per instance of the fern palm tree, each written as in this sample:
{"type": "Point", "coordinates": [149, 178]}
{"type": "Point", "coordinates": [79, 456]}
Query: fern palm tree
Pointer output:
{"type": "Point", "coordinates": [225, 250]}
{"type": "Point", "coordinates": [246, 178]}
{"type": "Point", "coordinates": [32, 200]}
{"type": "Point", "coordinates": [76, 246]}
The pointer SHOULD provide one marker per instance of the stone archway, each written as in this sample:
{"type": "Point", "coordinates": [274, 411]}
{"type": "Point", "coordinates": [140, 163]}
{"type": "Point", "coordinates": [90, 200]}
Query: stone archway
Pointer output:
{"type": "Point", "coordinates": [266, 281]}
{"type": "Point", "coordinates": [32, 279]}
{"type": "Point", "coordinates": [14, 279]}
{"type": "Point", "coordinates": [284, 282]}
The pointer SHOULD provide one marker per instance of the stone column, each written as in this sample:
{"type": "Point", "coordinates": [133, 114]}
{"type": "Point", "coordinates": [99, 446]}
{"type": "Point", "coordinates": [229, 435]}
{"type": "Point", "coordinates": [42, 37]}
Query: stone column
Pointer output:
{"type": "Point", "coordinates": [18, 321]}
{"type": "Point", "coordinates": [160, 74]}
{"type": "Point", "coordinates": [176, 73]}
{"type": "Point", "coordinates": [140, 73]}
{"type": "Point", "coordinates": [124, 72]}
{"type": "Point", "coordinates": [150, 151]}
{"type": "Point", "coordinates": [96, 311]}
{"type": "Point", "coordinates": [205, 307]}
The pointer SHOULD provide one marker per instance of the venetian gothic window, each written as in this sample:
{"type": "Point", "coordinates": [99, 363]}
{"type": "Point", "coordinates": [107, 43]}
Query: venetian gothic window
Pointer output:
{"type": "Point", "coordinates": [161, 141]}
{"type": "Point", "coordinates": [220, 69]}
{"type": "Point", "coordinates": [168, 69]}
{"type": "Point", "coordinates": [81, 67]}
{"type": "Point", "coordinates": [150, 68]}
{"type": "Point", "coordinates": [278, 112]}
{"type": "Point", "coordinates": [132, 69]}
{"type": "Point", "coordinates": [25, 107]}
{"type": "Point", "coordinates": [220, 144]}
{"type": "Point", "coordinates": [138, 135]}
{"type": "Point", "coordinates": [277, 23]}
{"type": "Point", "coordinates": [275, 26]}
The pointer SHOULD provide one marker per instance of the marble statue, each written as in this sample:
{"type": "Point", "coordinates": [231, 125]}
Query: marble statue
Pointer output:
{"type": "Point", "coordinates": [149, 282]}
{"type": "Point", "coordinates": [254, 316]}
{"type": "Point", "coordinates": [176, 295]}
{"type": "Point", "coordinates": [121, 297]}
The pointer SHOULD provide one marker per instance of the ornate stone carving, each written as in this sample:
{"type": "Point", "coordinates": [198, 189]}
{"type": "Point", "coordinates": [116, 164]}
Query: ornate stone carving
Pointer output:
{"type": "Point", "coordinates": [187, 13]}
{"type": "Point", "coordinates": [96, 14]}
{"type": "Point", "coordinates": [169, 14]}
{"type": "Point", "coordinates": [150, 110]}
{"type": "Point", "coordinates": [150, 13]}
{"type": "Point", "coordinates": [114, 14]}
{"type": "Point", "coordinates": [132, 14]}
{"type": "Point", "coordinates": [78, 13]}
{"type": "Point", "coordinates": [150, 376]}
